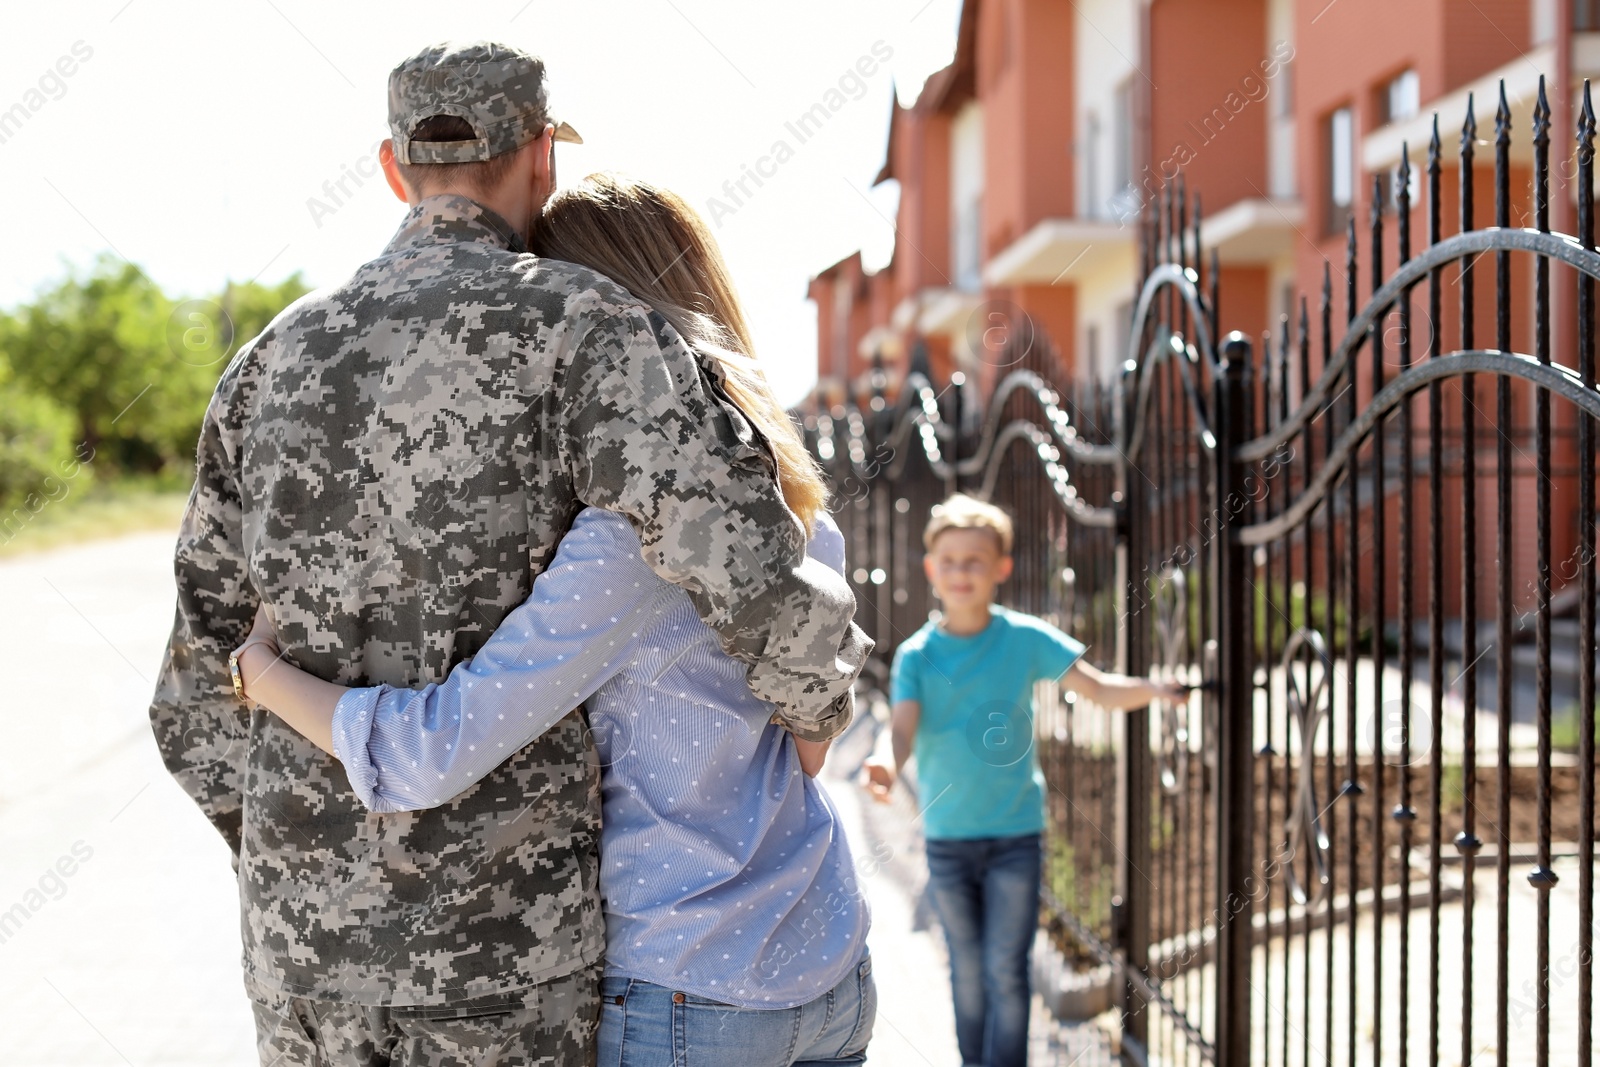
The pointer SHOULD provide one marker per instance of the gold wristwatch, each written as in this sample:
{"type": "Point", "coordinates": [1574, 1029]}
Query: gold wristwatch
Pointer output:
{"type": "Point", "coordinates": [233, 663]}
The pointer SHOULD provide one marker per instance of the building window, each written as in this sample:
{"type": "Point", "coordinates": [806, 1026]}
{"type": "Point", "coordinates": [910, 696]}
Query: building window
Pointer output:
{"type": "Point", "coordinates": [1092, 207]}
{"type": "Point", "coordinates": [1122, 124]}
{"type": "Point", "coordinates": [1281, 140]}
{"type": "Point", "coordinates": [1340, 175]}
{"type": "Point", "coordinates": [1123, 203]}
{"type": "Point", "coordinates": [966, 198]}
{"type": "Point", "coordinates": [1400, 99]}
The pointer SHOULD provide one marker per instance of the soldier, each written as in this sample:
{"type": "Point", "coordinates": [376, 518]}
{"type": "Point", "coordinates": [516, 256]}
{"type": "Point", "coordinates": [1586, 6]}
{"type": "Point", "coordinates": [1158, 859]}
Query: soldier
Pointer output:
{"type": "Point", "coordinates": [386, 468]}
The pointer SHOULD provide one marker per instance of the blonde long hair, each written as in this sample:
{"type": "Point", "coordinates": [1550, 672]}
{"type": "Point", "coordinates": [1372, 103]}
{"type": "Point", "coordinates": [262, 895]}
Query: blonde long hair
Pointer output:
{"type": "Point", "coordinates": [652, 243]}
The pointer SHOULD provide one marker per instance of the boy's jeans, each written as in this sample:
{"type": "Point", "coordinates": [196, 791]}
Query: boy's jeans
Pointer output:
{"type": "Point", "coordinates": [647, 1025]}
{"type": "Point", "coordinates": [986, 891]}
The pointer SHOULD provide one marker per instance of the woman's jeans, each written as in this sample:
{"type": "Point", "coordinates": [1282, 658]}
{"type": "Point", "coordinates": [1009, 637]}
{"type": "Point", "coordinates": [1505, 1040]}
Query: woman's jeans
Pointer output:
{"type": "Point", "coordinates": [986, 891]}
{"type": "Point", "coordinates": [646, 1025]}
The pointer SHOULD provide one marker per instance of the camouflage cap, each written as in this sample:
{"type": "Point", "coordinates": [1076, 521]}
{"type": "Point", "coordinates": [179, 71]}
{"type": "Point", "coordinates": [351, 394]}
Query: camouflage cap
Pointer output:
{"type": "Point", "coordinates": [499, 90]}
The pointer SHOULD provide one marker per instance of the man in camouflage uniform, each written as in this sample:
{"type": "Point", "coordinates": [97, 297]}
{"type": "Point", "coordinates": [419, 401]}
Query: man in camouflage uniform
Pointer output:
{"type": "Point", "coordinates": [387, 468]}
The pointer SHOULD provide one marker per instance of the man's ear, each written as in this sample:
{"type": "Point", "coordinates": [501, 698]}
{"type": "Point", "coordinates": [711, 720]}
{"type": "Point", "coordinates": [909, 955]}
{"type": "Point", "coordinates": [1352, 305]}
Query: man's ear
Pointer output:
{"type": "Point", "coordinates": [1003, 569]}
{"type": "Point", "coordinates": [391, 172]}
{"type": "Point", "coordinates": [544, 167]}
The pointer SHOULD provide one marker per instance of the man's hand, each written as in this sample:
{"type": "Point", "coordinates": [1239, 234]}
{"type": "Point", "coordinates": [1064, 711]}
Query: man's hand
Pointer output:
{"type": "Point", "coordinates": [878, 778]}
{"type": "Point", "coordinates": [812, 755]}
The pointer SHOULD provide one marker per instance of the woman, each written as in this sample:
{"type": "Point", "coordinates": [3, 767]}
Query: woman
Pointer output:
{"type": "Point", "coordinates": [735, 928]}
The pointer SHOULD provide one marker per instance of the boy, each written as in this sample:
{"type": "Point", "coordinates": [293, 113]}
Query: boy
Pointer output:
{"type": "Point", "coordinates": [962, 695]}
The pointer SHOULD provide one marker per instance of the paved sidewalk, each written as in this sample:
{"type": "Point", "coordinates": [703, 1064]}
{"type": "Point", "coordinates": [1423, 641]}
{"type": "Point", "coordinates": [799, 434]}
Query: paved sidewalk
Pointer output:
{"type": "Point", "coordinates": [916, 1024]}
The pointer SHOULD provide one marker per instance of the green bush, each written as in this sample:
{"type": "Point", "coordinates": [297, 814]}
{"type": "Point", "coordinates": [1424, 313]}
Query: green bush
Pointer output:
{"type": "Point", "coordinates": [1566, 731]}
{"type": "Point", "coordinates": [1287, 613]}
{"type": "Point", "coordinates": [37, 461]}
{"type": "Point", "coordinates": [1063, 870]}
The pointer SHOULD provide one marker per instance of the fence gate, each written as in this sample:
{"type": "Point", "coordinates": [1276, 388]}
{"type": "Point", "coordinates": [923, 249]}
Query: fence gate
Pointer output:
{"type": "Point", "coordinates": [1368, 836]}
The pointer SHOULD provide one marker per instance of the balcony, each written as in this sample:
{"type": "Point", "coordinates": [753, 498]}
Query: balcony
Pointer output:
{"type": "Point", "coordinates": [1253, 231]}
{"type": "Point", "coordinates": [940, 312]}
{"type": "Point", "coordinates": [1065, 251]}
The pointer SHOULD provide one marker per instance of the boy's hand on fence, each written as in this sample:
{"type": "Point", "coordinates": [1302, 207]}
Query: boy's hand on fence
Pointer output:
{"type": "Point", "coordinates": [1173, 692]}
{"type": "Point", "coordinates": [878, 778]}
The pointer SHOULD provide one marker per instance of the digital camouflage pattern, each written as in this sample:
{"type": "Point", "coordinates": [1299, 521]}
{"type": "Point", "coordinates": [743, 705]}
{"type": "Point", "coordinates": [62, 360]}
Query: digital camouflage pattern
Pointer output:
{"type": "Point", "coordinates": [498, 89]}
{"type": "Point", "coordinates": [388, 467]}
{"type": "Point", "coordinates": [555, 1026]}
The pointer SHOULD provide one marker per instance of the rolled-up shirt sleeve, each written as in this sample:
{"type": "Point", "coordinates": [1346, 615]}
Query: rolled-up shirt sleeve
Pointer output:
{"type": "Point", "coordinates": [405, 749]}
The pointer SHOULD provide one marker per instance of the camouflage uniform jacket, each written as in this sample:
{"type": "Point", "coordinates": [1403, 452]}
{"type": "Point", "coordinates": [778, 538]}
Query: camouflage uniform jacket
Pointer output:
{"type": "Point", "coordinates": [387, 467]}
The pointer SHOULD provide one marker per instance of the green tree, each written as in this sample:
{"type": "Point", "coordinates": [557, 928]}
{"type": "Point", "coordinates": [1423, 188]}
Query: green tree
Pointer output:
{"type": "Point", "coordinates": [93, 343]}
{"type": "Point", "coordinates": [202, 335]}
{"type": "Point", "coordinates": [35, 452]}
{"type": "Point", "coordinates": [133, 367]}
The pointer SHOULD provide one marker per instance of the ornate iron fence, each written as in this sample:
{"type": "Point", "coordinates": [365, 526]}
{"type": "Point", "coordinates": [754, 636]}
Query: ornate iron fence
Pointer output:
{"type": "Point", "coordinates": [1324, 856]}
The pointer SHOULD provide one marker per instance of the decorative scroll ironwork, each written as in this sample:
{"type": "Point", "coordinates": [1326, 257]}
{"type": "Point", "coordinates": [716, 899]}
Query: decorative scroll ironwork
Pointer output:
{"type": "Point", "coordinates": [1310, 705]}
{"type": "Point", "coordinates": [1171, 639]}
{"type": "Point", "coordinates": [1274, 521]}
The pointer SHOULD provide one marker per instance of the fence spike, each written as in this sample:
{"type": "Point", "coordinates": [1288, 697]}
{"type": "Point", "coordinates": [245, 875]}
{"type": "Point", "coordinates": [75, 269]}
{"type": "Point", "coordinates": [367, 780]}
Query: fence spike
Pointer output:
{"type": "Point", "coordinates": [1586, 119]}
{"type": "Point", "coordinates": [1541, 118]}
{"type": "Point", "coordinates": [1181, 218]}
{"type": "Point", "coordinates": [1502, 119]}
{"type": "Point", "coordinates": [1216, 294]}
{"type": "Point", "coordinates": [1304, 341]}
{"type": "Point", "coordinates": [1350, 267]}
{"type": "Point", "coordinates": [1402, 195]}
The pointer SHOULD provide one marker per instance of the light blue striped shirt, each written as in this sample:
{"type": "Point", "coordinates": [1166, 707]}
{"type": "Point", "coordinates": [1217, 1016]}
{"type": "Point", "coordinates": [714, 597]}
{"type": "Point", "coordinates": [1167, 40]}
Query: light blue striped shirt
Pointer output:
{"type": "Point", "coordinates": [724, 867]}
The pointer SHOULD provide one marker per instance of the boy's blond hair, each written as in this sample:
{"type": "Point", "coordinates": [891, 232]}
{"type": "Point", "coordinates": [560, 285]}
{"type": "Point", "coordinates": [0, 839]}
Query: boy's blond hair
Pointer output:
{"type": "Point", "coordinates": [962, 512]}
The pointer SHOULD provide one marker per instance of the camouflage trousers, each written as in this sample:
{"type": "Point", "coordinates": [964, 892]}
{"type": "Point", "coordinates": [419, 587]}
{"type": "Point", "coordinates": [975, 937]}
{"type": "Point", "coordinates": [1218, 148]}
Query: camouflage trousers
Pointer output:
{"type": "Point", "coordinates": [550, 1025]}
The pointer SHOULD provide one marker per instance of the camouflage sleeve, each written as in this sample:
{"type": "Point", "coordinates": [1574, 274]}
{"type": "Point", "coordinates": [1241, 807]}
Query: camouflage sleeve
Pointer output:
{"type": "Point", "coordinates": [650, 435]}
{"type": "Point", "coordinates": [200, 726]}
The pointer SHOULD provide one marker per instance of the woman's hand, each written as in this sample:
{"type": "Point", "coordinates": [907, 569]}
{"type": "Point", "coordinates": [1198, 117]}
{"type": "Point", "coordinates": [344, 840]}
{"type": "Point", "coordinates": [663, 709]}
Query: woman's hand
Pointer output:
{"type": "Point", "coordinates": [259, 653]}
{"type": "Point", "coordinates": [300, 700]}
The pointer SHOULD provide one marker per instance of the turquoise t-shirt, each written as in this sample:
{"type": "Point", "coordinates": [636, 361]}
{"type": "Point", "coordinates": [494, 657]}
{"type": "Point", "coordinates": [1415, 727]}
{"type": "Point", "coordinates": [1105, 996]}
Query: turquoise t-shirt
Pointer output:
{"type": "Point", "coordinates": [976, 764]}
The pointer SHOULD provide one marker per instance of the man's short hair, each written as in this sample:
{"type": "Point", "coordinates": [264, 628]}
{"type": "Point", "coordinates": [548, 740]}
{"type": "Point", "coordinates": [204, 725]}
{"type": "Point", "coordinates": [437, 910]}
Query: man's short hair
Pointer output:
{"type": "Point", "coordinates": [962, 512]}
{"type": "Point", "coordinates": [479, 176]}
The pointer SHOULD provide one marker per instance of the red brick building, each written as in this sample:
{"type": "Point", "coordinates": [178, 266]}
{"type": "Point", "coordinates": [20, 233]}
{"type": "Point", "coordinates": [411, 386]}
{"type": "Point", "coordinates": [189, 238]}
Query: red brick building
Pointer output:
{"type": "Point", "coordinates": [1023, 165]}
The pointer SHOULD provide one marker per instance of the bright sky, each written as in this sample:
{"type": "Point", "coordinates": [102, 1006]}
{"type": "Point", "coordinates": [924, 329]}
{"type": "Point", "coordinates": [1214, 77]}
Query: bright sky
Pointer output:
{"type": "Point", "coordinates": [191, 137]}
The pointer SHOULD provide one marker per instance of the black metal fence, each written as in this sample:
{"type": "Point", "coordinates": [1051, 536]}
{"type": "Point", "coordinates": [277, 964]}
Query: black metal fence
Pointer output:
{"type": "Point", "coordinates": [1370, 837]}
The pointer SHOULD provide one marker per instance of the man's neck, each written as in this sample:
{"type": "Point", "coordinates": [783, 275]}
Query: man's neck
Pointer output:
{"type": "Point", "coordinates": [509, 210]}
{"type": "Point", "coordinates": [966, 622]}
